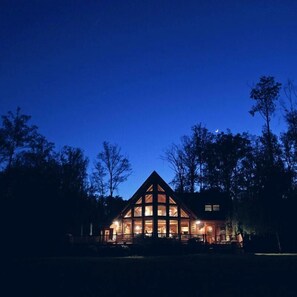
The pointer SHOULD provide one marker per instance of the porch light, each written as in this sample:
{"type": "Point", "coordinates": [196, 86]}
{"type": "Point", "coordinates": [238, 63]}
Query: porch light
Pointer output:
{"type": "Point", "coordinates": [198, 222]}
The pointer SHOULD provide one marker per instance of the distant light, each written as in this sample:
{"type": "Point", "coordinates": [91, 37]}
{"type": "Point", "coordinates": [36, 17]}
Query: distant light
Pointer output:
{"type": "Point", "coordinates": [217, 131]}
{"type": "Point", "coordinates": [198, 222]}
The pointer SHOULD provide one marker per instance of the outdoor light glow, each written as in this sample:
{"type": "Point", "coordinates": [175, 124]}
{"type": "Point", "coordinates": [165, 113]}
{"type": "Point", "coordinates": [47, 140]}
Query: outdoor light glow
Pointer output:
{"type": "Point", "coordinates": [198, 222]}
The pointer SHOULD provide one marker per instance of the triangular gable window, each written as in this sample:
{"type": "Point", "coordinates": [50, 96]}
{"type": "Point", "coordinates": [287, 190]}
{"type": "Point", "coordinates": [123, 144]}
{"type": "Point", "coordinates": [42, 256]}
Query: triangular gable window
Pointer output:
{"type": "Point", "coordinates": [171, 201]}
{"type": "Point", "coordinates": [183, 214]}
{"type": "Point", "coordinates": [160, 189]}
{"type": "Point", "coordinates": [139, 201]}
{"type": "Point", "coordinates": [150, 189]}
{"type": "Point", "coordinates": [128, 214]}
{"type": "Point", "coordinates": [149, 198]}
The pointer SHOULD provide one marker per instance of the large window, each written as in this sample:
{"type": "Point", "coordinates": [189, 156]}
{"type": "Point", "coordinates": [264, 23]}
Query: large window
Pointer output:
{"type": "Point", "coordinates": [138, 211]}
{"type": "Point", "coordinates": [160, 189]}
{"type": "Point", "coordinates": [173, 227]}
{"type": "Point", "coordinates": [148, 227]}
{"type": "Point", "coordinates": [138, 226]}
{"type": "Point", "coordinates": [128, 214]}
{"type": "Point", "coordinates": [127, 226]}
{"type": "Point", "coordinates": [171, 201]}
{"type": "Point", "coordinates": [161, 198]}
{"type": "Point", "coordinates": [161, 228]}
{"type": "Point", "coordinates": [183, 214]}
{"type": "Point", "coordinates": [184, 226]}
{"type": "Point", "coordinates": [149, 198]}
{"type": "Point", "coordinates": [150, 189]}
{"type": "Point", "coordinates": [161, 210]}
{"type": "Point", "coordinates": [173, 211]}
{"type": "Point", "coordinates": [148, 210]}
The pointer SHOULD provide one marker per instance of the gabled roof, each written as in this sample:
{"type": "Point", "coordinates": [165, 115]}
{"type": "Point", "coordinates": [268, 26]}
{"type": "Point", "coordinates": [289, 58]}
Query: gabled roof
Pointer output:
{"type": "Point", "coordinates": [197, 202]}
{"type": "Point", "coordinates": [155, 178]}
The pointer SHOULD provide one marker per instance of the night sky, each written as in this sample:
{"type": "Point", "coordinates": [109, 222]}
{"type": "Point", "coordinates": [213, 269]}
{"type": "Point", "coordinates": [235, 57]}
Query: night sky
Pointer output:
{"type": "Point", "coordinates": [141, 73]}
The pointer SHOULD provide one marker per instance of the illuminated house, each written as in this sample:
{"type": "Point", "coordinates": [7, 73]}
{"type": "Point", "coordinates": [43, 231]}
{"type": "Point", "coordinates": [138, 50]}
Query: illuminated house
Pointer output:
{"type": "Point", "coordinates": [155, 210]}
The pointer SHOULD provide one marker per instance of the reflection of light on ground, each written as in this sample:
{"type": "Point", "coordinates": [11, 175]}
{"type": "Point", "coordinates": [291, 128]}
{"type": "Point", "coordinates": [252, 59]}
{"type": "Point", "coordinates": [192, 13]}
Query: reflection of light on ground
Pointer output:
{"type": "Point", "coordinates": [276, 254]}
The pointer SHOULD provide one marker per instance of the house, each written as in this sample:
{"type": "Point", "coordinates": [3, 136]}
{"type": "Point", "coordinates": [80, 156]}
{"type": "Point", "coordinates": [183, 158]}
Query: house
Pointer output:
{"type": "Point", "coordinates": [156, 211]}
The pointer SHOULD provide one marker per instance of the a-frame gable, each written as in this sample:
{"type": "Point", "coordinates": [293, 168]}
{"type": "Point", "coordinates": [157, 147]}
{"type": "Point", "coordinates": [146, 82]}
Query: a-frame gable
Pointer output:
{"type": "Point", "coordinates": [152, 183]}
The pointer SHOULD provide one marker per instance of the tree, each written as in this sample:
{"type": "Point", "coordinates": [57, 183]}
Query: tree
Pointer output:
{"type": "Point", "coordinates": [202, 138]}
{"type": "Point", "coordinates": [266, 93]}
{"type": "Point", "coordinates": [174, 156]}
{"type": "Point", "coordinates": [15, 135]}
{"type": "Point", "coordinates": [289, 138]}
{"type": "Point", "coordinates": [111, 166]}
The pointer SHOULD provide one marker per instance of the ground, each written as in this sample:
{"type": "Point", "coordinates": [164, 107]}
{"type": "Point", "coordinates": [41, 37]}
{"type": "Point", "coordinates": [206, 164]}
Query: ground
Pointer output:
{"type": "Point", "coordinates": [200, 275]}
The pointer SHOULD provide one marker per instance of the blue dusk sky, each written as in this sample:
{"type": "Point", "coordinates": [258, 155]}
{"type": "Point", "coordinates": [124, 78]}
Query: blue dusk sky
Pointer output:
{"type": "Point", "coordinates": [141, 73]}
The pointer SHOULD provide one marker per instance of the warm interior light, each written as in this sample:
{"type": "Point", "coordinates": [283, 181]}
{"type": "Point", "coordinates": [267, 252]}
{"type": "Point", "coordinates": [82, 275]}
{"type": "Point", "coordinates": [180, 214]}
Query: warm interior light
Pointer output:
{"type": "Point", "coordinates": [137, 228]}
{"type": "Point", "coordinates": [198, 222]}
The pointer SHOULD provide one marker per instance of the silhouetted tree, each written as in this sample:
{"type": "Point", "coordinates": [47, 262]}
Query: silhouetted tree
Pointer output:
{"type": "Point", "coordinates": [15, 135]}
{"type": "Point", "coordinates": [201, 138]}
{"type": "Point", "coordinates": [113, 166]}
{"type": "Point", "coordinates": [174, 156]}
{"type": "Point", "coordinates": [74, 188]}
{"type": "Point", "coordinates": [266, 93]}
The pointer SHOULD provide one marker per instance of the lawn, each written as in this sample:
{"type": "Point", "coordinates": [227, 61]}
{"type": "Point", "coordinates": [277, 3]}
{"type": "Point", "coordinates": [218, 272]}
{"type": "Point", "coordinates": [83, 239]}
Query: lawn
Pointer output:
{"type": "Point", "coordinates": [187, 275]}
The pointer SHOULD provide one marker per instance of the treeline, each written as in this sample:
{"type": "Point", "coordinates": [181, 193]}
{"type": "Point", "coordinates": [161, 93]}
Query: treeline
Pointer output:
{"type": "Point", "coordinates": [47, 194]}
{"type": "Point", "coordinates": [258, 173]}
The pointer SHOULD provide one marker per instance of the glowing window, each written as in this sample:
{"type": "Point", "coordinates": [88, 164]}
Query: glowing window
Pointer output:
{"type": "Point", "coordinates": [216, 207]}
{"type": "Point", "coordinates": [148, 227]}
{"type": "Point", "coordinates": [161, 228]}
{"type": "Point", "coordinates": [138, 226]}
{"type": "Point", "coordinates": [127, 226]}
{"type": "Point", "coordinates": [160, 189]}
{"type": "Point", "coordinates": [150, 189]}
{"type": "Point", "coordinates": [161, 210]}
{"type": "Point", "coordinates": [207, 207]}
{"type": "Point", "coordinates": [138, 211]}
{"type": "Point", "coordinates": [128, 214]}
{"type": "Point", "coordinates": [139, 201]}
{"type": "Point", "coordinates": [171, 201]}
{"type": "Point", "coordinates": [148, 210]}
{"type": "Point", "coordinates": [184, 226]}
{"type": "Point", "coordinates": [149, 198]}
{"type": "Point", "coordinates": [173, 211]}
{"type": "Point", "coordinates": [161, 198]}
{"type": "Point", "coordinates": [173, 227]}
{"type": "Point", "coordinates": [183, 214]}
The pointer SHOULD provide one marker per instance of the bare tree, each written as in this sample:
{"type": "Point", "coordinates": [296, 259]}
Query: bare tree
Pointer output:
{"type": "Point", "coordinates": [175, 157]}
{"type": "Point", "coordinates": [266, 93]}
{"type": "Point", "coordinates": [111, 166]}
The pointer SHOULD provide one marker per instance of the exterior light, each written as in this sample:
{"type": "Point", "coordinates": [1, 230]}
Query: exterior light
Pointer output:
{"type": "Point", "coordinates": [198, 222]}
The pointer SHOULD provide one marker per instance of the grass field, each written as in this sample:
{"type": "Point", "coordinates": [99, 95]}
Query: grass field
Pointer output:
{"type": "Point", "coordinates": [188, 275]}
